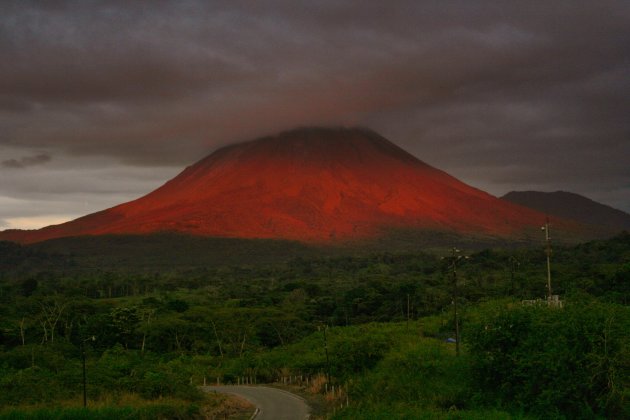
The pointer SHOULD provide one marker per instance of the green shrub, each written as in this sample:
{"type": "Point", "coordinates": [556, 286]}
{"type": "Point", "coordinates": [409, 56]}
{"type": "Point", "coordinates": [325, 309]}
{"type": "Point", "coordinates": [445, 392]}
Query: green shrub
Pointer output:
{"type": "Point", "coordinates": [409, 412]}
{"type": "Point", "coordinates": [572, 362]}
{"type": "Point", "coordinates": [147, 412]}
{"type": "Point", "coordinates": [423, 374]}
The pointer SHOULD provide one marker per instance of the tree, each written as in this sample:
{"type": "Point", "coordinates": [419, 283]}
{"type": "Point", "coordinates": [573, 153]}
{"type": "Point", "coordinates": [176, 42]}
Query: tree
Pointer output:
{"type": "Point", "coordinates": [124, 321]}
{"type": "Point", "coordinates": [52, 308]}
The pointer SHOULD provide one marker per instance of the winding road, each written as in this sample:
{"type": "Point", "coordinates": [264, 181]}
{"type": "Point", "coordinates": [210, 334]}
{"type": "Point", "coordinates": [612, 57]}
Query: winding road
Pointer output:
{"type": "Point", "coordinates": [272, 403]}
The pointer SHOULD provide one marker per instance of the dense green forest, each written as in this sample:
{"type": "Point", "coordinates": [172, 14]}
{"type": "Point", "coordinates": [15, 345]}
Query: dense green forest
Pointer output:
{"type": "Point", "coordinates": [374, 325]}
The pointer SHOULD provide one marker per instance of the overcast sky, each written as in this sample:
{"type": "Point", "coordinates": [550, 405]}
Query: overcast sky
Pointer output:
{"type": "Point", "coordinates": [101, 102]}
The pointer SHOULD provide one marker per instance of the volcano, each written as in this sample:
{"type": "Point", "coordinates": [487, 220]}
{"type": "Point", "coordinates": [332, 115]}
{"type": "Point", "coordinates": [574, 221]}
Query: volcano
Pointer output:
{"type": "Point", "coordinates": [314, 185]}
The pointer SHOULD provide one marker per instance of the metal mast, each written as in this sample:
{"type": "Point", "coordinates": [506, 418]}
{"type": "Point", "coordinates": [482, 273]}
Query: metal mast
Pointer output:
{"type": "Point", "coordinates": [454, 260]}
{"type": "Point", "coordinates": [548, 252]}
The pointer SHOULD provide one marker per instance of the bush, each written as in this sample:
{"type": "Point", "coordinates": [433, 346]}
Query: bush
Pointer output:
{"type": "Point", "coordinates": [425, 374]}
{"type": "Point", "coordinates": [571, 362]}
{"type": "Point", "coordinates": [401, 411]}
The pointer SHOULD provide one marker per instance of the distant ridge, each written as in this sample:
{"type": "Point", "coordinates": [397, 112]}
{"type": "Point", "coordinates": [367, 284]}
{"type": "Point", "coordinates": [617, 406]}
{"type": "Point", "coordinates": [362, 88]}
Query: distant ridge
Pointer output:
{"type": "Point", "coordinates": [572, 206]}
{"type": "Point", "coordinates": [312, 185]}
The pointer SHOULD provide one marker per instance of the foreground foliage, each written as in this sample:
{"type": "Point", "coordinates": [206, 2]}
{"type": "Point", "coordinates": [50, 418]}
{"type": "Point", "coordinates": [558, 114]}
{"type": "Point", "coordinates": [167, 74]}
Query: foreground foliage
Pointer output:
{"type": "Point", "coordinates": [149, 412]}
{"type": "Point", "coordinates": [373, 326]}
{"type": "Point", "coordinates": [572, 362]}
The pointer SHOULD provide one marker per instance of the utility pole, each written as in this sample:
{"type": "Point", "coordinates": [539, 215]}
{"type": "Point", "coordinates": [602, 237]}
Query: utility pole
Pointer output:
{"type": "Point", "coordinates": [84, 377]}
{"type": "Point", "coordinates": [454, 259]}
{"type": "Point", "coordinates": [514, 263]}
{"type": "Point", "coordinates": [548, 252]}
{"type": "Point", "coordinates": [326, 351]}
{"type": "Point", "coordinates": [93, 338]}
{"type": "Point", "coordinates": [407, 311]}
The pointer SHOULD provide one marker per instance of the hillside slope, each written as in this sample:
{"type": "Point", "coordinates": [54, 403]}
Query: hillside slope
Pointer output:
{"type": "Point", "coordinates": [572, 206]}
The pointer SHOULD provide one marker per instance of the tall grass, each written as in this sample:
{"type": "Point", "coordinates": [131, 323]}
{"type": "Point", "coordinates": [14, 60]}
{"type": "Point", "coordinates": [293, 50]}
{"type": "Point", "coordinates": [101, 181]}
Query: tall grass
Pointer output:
{"type": "Point", "coordinates": [147, 412]}
{"type": "Point", "coordinates": [116, 406]}
{"type": "Point", "coordinates": [410, 412]}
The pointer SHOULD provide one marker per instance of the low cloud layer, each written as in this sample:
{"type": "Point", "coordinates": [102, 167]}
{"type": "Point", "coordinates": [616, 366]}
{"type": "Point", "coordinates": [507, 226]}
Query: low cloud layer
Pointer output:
{"type": "Point", "coordinates": [26, 161]}
{"type": "Point", "coordinates": [503, 96]}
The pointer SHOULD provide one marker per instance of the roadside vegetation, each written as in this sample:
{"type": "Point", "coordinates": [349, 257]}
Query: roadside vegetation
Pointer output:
{"type": "Point", "coordinates": [368, 334]}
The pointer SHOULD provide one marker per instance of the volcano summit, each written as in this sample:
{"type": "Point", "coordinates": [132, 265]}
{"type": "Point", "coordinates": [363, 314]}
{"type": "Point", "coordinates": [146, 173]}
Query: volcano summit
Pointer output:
{"type": "Point", "coordinates": [315, 185]}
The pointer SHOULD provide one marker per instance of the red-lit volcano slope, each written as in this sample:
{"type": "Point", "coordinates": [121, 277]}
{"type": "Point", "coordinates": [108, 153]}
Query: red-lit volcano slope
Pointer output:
{"type": "Point", "coordinates": [313, 185]}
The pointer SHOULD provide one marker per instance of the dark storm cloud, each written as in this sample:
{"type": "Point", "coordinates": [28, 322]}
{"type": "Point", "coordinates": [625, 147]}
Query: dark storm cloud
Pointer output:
{"type": "Point", "coordinates": [26, 161]}
{"type": "Point", "coordinates": [507, 95]}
